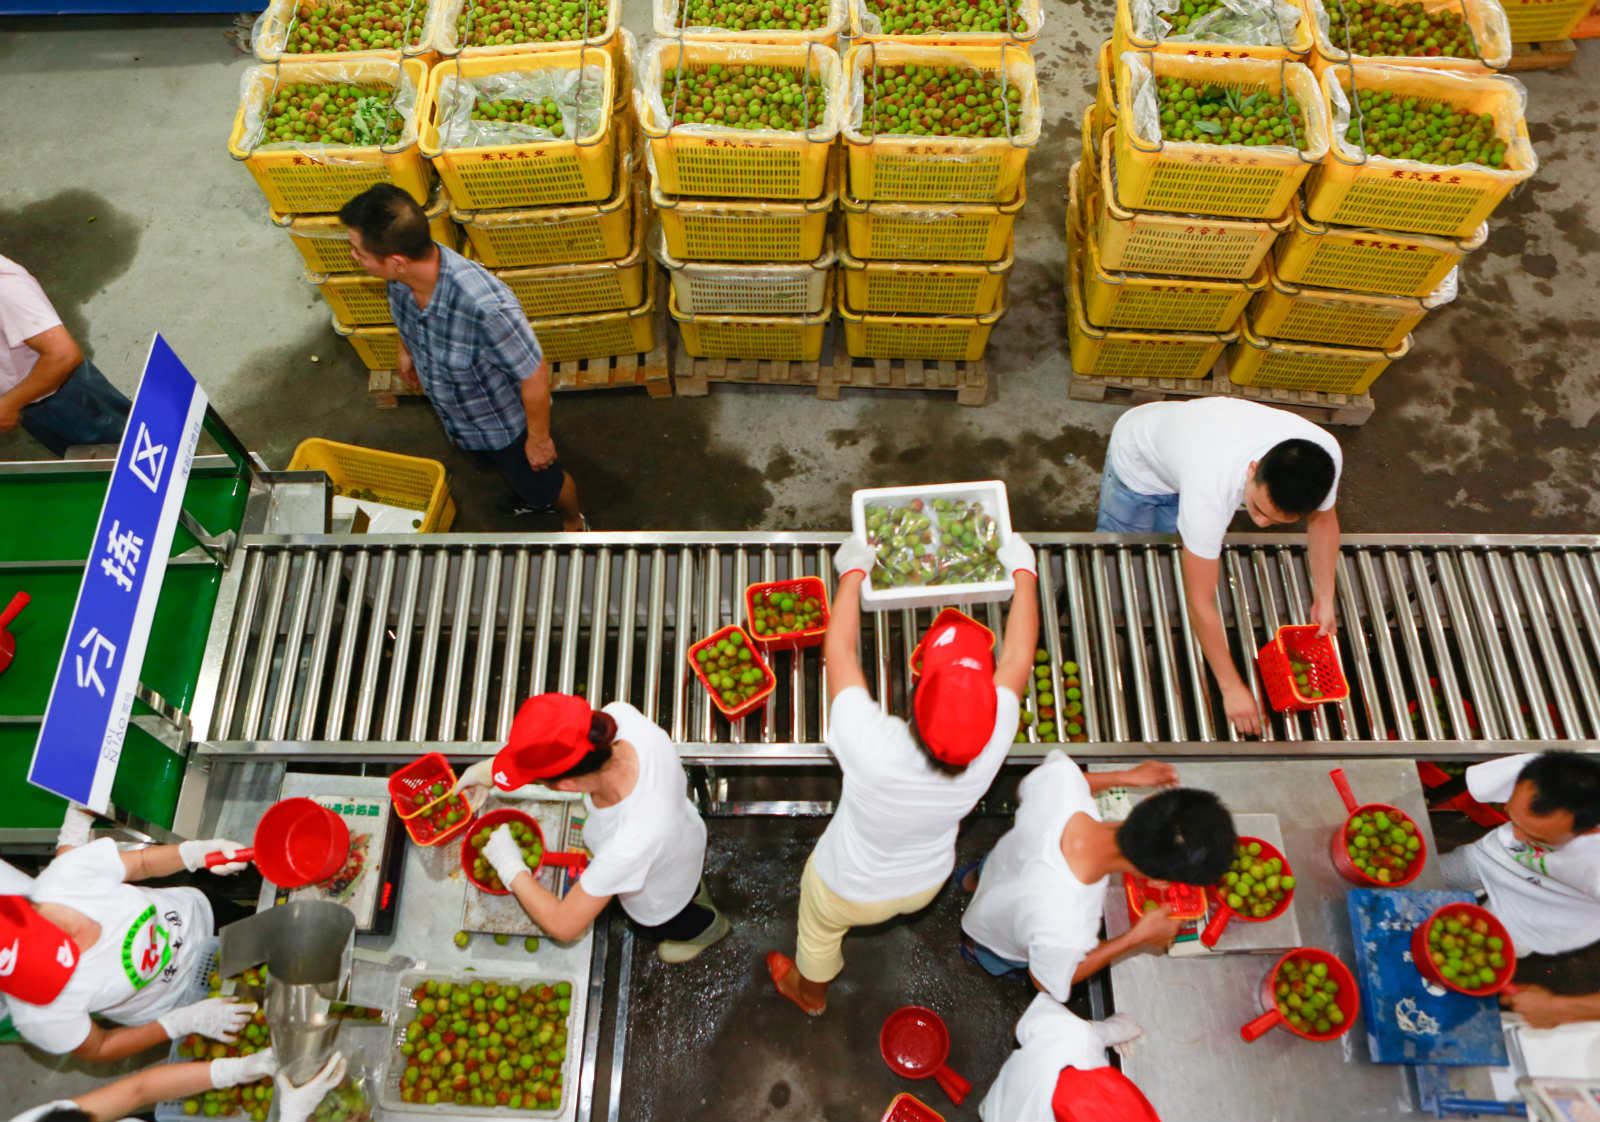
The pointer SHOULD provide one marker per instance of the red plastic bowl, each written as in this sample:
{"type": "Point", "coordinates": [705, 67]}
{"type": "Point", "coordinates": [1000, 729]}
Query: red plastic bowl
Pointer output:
{"type": "Point", "coordinates": [1424, 962]}
{"type": "Point", "coordinates": [1224, 914]}
{"type": "Point", "coordinates": [942, 618]}
{"type": "Point", "coordinates": [417, 776]}
{"type": "Point", "coordinates": [906, 1107]}
{"type": "Point", "coordinates": [788, 640]}
{"type": "Point", "coordinates": [1341, 855]}
{"type": "Point", "coordinates": [1321, 657]}
{"type": "Point", "coordinates": [1349, 999]}
{"type": "Point", "coordinates": [756, 702]}
{"type": "Point", "coordinates": [497, 818]}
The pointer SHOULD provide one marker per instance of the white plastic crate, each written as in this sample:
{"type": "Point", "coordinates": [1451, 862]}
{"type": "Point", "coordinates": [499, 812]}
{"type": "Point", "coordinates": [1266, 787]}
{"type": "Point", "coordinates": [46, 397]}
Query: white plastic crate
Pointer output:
{"type": "Point", "coordinates": [991, 493]}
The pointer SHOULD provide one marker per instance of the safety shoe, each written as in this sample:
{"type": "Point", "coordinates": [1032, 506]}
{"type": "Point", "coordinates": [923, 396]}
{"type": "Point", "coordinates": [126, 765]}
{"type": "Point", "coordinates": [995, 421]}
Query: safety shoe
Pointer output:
{"type": "Point", "coordinates": [675, 951]}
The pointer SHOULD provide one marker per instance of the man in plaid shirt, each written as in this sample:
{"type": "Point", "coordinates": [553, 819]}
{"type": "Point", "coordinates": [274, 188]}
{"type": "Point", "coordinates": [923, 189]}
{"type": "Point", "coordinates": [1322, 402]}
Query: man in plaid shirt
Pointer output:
{"type": "Point", "coordinates": [465, 339]}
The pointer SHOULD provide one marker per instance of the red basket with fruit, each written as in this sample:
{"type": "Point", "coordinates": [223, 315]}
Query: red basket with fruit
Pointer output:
{"type": "Point", "coordinates": [1300, 669]}
{"type": "Point", "coordinates": [421, 783]}
{"type": "Point", "coordinates": [787, 615]}
{"type": "Point", "coordinates": [535, 855]}
{"type": "Point", "coordinates": [1257, 887]}
{"type": "Point", "coordinates": [1379, 846]}
{"type": "Point", "coordinates": [906, 1107]}
{"type": "Point", "coordinates": [943, 617]}
{"type": "Point", "coordinates": [730, 677]}
{"type": "Point", "coordinates": [1183, 901]}
{"type": "Point", "coordinates": [1309, 992]}
{"type": "Point", "coordinates": [1463, 947]}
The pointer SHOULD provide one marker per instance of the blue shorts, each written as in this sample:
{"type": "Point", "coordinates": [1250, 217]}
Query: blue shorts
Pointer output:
{"type": "Point", "coordinates": [1123, 511]}
{"type": "Point", "coordinates": [86, 409]}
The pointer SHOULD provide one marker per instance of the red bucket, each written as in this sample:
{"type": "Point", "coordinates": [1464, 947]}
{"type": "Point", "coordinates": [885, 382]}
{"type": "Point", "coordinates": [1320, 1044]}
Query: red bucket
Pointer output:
{"type": "Point", "coordinates": [915, 1044]}
{"type": "Point", "coordinates": [1491, 928]}
{"type": "Point", "coordinates": [298, 842]}
{"type": "Point", "coordinates": [574, 862]}
{"type": "Point", "coordinates": [1338, 848]}
{"type": "Point", "coordinates": [1224, 914]}
{"type": "Point", "coordinates": [1348, 1000]}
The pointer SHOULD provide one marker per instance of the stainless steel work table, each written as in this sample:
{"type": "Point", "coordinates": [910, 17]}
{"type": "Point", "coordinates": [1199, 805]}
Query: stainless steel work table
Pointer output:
{"type": "Point", "coordinates": [1191, 1062]}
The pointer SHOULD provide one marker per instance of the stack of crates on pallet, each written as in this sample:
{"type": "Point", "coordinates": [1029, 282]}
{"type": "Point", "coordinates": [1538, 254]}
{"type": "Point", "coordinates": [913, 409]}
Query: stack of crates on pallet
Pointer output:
{"type": "Point", "coordinates": [928, 216]}
{"type": "Point", "coordinates": [740, 123]}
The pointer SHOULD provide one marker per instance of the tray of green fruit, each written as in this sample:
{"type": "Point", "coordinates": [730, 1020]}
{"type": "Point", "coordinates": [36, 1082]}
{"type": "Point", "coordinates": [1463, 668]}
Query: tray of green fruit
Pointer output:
{"type": "Point", "coordinates": [936, 544]}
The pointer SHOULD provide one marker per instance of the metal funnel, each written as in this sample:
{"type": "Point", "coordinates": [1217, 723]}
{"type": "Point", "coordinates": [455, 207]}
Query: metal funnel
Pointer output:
{"type": "Point", "coordinates": [306, 946]}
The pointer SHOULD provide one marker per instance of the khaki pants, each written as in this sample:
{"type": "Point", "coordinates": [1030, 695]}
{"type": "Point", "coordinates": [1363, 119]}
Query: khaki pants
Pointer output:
{"type": "Point", "coordinates": [825, 917]}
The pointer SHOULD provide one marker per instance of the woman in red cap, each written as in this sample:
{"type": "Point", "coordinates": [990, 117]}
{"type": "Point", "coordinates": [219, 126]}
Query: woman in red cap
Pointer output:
{"type": "Point", "coordinates": [892, 841]}
{"type": "Point", "coordinates": [1060, 1074]}
{"type": "Point", "coordinates": [648, 841]}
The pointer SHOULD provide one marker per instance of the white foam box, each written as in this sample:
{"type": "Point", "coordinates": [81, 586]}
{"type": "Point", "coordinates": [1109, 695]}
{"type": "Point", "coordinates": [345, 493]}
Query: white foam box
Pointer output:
{"type": "Point", "coordinates": [991, 493]}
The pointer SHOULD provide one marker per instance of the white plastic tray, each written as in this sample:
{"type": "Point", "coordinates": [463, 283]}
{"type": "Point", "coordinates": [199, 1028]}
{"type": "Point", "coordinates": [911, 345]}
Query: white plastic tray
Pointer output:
{"type": "Point", "coordinates": [990, 492]}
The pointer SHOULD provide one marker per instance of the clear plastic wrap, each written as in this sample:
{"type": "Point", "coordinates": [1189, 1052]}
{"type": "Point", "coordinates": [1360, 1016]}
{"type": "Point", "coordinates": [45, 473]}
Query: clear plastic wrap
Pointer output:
{"type": "Point", "coordinates": [1146, 108]}
{"type": "Point", "coordinates": [445, 37]}
{"type": "Point", "coordinates": [1012, 66]}
{"type": "Point", "coordinates": [1027, 15]}
{"type": "Point", "coordinates": [580, 94]}
{"type": "Point", "coordinates": [1491, 34]}
{"type": "Point", "coordinates": [270, 34]}
{"type": "Point", "coordinates": [714, 288]}
{"type": "Point", "coordinates": [258, 86]}
{"type": "Point", "coordinates": [934, 542]}
{"type": "Point", "coordinates": [1249, 22]}
{"type": "Point", "coordinates": [669, 15]}
{"type": "Point", "coordinates": [656, 117]}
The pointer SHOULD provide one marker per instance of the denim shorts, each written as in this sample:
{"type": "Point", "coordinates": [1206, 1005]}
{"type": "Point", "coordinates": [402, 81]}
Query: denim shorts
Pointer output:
{"type": "Point", "coordinates": [1123, 511]}
{"type": "Point", "coordinates": [87, 409]}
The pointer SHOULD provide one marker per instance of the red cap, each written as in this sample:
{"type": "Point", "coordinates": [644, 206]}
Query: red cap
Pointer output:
{"type": "Point", "coordinates": [1099, 1094]}
{"type": "Point", "coordinates": [549, 736]}
{"type": "Point", "coordinates": [955, 701]}
{"type": "Point", "coordinates": [36, 957]}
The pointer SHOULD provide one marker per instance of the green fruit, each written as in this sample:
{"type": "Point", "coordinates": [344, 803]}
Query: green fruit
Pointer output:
{"type": "Point", "coordinates": [1374, 29]}
{"type": "Point", "coordinates": [744, 97]}
{"type": "Point", "coordinates": [941, 101]}
{"type": "Point", "coordinates": [542, 114]}
{"type": "Point", "coordinates": [309, 113]}
{"type": "Point", "coordinates": [504, 22]}
{"type": "Point", "coordinates": [530, 944]}
{"type": "Point", "coordinates": [1199, 112]}
{"type": "Point", "coordinates": [771, 15]}
{"type": "Point", "coordinates": [354, 25]}
{"type": "Point", "coordinates": [1422, 130]}
{"type": "Point", "coordinates": [920, 17]}
{"type": "Point", "coordinates": [462, 938]}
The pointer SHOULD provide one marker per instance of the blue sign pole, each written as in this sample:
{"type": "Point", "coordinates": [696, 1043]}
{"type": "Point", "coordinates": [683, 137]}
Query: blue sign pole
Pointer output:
{"type": "Point", "coordinates": [90, 704]}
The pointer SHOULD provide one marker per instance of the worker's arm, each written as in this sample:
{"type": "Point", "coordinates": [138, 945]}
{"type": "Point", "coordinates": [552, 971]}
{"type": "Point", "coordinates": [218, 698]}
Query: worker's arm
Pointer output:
{"type": "Point", "coordinates": [1322, 548]}
{"type": "Point", "coordinates": [1543, 1009]}
{"type": "Point", "coordinates": [536, 402]}
{"type": "Point", "coordinates": [103, 1045]}
{"type": "Point", "coordinates": [1154, 929]}
{"type": "Point", "coordinates": [1021, 636]}
{"type": "Point", "coordinates": [841, 645]}
{"type": "Point", "coordinates": [151, 862]}
{"type": "Point", "coordinates": [1151, 773]}
{"type": "Point", "coordinates": [133, 1093]}
{"type": "Point", "coordinates": [1200, 592]}
{"type": "Point", "coordinates": [562, 918]}
{"type": "Point", "coordinates": [403, 365]}
{"type": "Point", "coordinates": [59, 356]}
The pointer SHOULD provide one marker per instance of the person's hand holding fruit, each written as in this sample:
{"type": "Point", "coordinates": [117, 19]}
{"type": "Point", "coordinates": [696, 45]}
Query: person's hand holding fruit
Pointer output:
{"type": "Point", "coordinates": [1156, 928]}
{"type": "Point", "coordinates": [503, 852]}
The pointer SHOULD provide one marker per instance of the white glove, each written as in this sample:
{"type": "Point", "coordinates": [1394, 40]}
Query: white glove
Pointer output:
{"type": "Point", "coordinates": [220, 1018]}
{"type": "Point", "coordinates": [505, 855]}
{"type": "Point", "coordinates": [233, 1071]}
{"type": "Point", "coordinates": [295, 1104]}
{"type": "Point", "coordinates": [475, 783]}
{"type": "Point", "coordinates": [1017, 556]}
{"type": "Point", "coordinates": [854, 555]}
{"type": "Point", "coordinates": [194, 854]}
{"type": "Point", "coordinates": [75, 827]}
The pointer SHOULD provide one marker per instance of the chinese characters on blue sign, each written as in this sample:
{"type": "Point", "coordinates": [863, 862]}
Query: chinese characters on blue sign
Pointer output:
{"type": "Point", "coordinates": [87, 717]}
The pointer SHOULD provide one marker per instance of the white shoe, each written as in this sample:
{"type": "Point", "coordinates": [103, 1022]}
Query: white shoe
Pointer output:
{"type": "Point", "coordinates": [674, 951]}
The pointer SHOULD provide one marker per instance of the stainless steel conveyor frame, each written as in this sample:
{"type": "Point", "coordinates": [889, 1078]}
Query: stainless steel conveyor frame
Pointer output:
{"type": "Point", "coordinates": [365, 648]}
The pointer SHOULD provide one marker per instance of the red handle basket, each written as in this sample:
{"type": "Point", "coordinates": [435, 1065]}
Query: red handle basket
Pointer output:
{"type": "Point", "coordinates": [1300, 641]}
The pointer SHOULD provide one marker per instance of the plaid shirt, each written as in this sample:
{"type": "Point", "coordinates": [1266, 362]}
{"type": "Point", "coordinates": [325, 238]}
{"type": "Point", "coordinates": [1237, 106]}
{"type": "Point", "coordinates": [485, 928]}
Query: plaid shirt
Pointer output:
{"type": "Point", "coordinates": [473, 349]}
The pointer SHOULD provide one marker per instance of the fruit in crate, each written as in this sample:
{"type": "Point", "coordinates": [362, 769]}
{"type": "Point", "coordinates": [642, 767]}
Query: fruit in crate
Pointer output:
{"type": "Point", "coordinates": [735, 15]}
{"type": "Point", "coordinates": [321, 26]}
{"type": "Point", "coordinates": [1307, 996]}
{"type": "Point", "coordinates": [486, 1044]}
{"type": "Point", "coordinates": [1382, 846]}
{"type": "Point", "coordinates": [915, 100]}
{"type": "Point", "coordinates": [919, 17]}
{"type": "Point", "coordinates": [945, 542]}
{"type": "Point", "coordinates": [527, 840]}
{"type": "Point", "coordinates": [442, 818]}
{"type": "Point", "coordinates": [541, 114]}
{"type": "Point", "coordinates": [1363, 27]}
{"type": "Point", "coordinates": [1187, 13]}
{"type": "Point", "coordinates": [308, 113]}
{"type": "Point", "coordinates": [1465, 950]}
{"type": "Point", "coordinates": [1058, 719]}
{"type": "Point", "coordinates": [731, 667]}
{"type": "Point", "coordinates": [501, 22]}
{"type": "Point", "coordinates": [422, 796]}
{"type": "Point", "coordinates": [1301, 670]}
{"type": "Point", "coordinates": [777, 612]}
{"type": "Point", "coordinates": [1254, 884]}
{"type": "Point", "coordinates": [743, 97]}
{"type": "Point", "coordinates": [1206, 113]}
{"type": "Point", "coordinates": [1429, 132]}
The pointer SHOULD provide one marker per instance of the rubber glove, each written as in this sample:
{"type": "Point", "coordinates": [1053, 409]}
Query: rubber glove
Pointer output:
{"type": "Point", "coordinates": [75, 827]}
{"type": "Point", "coordinates": [233, 1071]}
{"type": "Point", "coordinates": [295, 1104]}
{"type": "Point", "coordinates": [1017, 556]}
{"type": "Point", "coordinates": [505, 855]}
{"type": "Point", "coordinates": [476, 783]}
{"type": "Point", "coordinates": [854, 555]}
{"type": "Point", "coordinates": [220, 1018]}
{"type": "Point", "coordinates": [194, 854]}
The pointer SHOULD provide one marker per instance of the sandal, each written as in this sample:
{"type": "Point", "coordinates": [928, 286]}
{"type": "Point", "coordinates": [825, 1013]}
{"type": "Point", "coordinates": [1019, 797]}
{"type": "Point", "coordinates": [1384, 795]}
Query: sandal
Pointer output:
{"type": "Point", "coordinates": [778, 966]}
{"type": "Point", "coordinates": [959, 877]}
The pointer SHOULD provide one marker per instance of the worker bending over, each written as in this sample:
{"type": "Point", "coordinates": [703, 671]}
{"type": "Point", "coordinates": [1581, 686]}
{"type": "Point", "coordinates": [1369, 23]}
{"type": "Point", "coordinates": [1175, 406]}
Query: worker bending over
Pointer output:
{"type": "Point", "coordinates": [1060, 1074]}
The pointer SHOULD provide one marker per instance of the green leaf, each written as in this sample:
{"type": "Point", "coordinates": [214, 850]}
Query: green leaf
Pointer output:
{"type": "Point", "coordinates": [1209, 127]}
{"type": "Point", "coordinates": [1249, 103]}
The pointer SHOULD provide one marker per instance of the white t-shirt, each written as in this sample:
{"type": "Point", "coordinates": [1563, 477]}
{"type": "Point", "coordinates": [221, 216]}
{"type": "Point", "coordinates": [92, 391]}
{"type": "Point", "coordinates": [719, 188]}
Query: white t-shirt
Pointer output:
{"type": "Point", "coordinates": [1030, 906]}
{"type": "Point", "coordinates": [894, 832]}
{"type": "Point", "coordinates": [1549, 899]}
{"type": "Point", "coordinates": [35, 1113]}
{"type": "Point", "coordinates": [1052, 1037]}
{"type": "Point", "coordinates": [141, 965]}
{"type": "Point", "coordinates": [649, 849]}
{"type": "Point", "coordinates": [1201, 451]}
{"type": "Point", "coordinates": [25, 311]}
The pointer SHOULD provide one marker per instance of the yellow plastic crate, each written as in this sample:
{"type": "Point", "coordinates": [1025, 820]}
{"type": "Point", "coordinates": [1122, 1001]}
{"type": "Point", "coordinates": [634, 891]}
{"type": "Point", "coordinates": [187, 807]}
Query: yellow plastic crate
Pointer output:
{"type": "Point", "coordinates": [1382, 261]}
{"type": "Point", "coordinates": [376, 345]}
{"type": "Point", "coordinates": [601, 334]}
{"type": "Point", "coordinates": [745, 229]}
{"type": "Point", "coordinates": [1541, 21]}
{"type": "Point", "coordinates": [280, 19]}
{"type": "Point", "coordinates": [707, 160]}
{"type": "Point", "coordinates": [669, 17]}
{"type": "Point", "coordinates": [934, 232]}
{"type": "Point", "coordinates": [776, 338]}
{"type": "Point", "coordinates": [1145, 241]}
{"type": "Point", "coordinates": [899, 168]}
{"type": "Point", "coordinates": [495, 177]}
{"type": "Point", "coordinates": [1137, 300]}
{"type": "Point", "coordinates": [1352, 188]}
{"type": "Point", "coordinates": [1486, 19]}
{"type": "Point", "coordinates": [445, 42]}
{"type": "Point", "coordinates": [324, 241]}
{"type": "Point", "coordinates": [568, 290]}
{"type": "Point", "coordinates": [301, 182]}
{"type": "Point", "coordinates": [1295, 48]}
{"type": "Point", "coordinates": [937, 288]}
{"type": "Point", "coordinates": [1283, 365]}
{"type": "Point", "coordinates": [556, 235]}
{"type": "Point", "coordinates": [406, 481]}
{"type": "Point", "coordinates": [946, 338]}
{"type": "Point", "coordinates": [1346, 319]}
{"type": "Point", "coordinates": [867, 28]}
{"type": "Point", "coordinates": [747, 288]}
{"type": "Point", "coordinates": [1216, 179]}
{"type": "Point", "coordinates": [1104, 111]}
{"type": "Point", "coordinates": [356, 299]}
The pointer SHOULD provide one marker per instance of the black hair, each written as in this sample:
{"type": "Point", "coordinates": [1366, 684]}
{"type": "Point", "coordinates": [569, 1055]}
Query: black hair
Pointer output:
{"type": "Point", "coordinates": [1565, 780]}
{"type": "Point", "coordinates": [1184, 835]}
{"type": "Point", "coordinates": [389, 221]}
{"type": "Point", "coordinates": [1298, 474]}
{"type": "Point", "coordinates": [67, 1114]}
{"type": "Point", "coordinates": [944, 767]}
{"type": "Point", "coordinates": [602, 734]}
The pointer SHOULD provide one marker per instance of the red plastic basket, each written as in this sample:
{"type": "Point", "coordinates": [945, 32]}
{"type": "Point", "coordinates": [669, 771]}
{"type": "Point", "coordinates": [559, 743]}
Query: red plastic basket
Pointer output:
{"type": "Point", "coordinates": [942, 618]}
{"type": "Point", "coordinates": [1186, 901]}
{"type": "Point", "coordinates": [1302, 642]}
{"type": "Point", "coordinates": [789, 640]}
{"type": "Point", "coordinates": [419, 775]}
{"type": "Point", "coordinates": [756, 660]}
{"type": "Point", "coordinates": [1425, 965]}
{"type": "Point", "coordinates": [906, 1107]}
{"type": "Point", "coordinates": [423, 831]}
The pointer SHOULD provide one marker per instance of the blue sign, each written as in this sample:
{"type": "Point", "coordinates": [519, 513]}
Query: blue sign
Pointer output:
{"type": "Point", "coordinates": [90, 704]}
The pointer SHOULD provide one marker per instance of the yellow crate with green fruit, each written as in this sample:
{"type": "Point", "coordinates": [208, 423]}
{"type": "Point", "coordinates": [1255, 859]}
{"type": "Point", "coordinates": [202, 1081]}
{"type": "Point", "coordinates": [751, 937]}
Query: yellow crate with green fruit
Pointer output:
{"type": "Point", "coordinates": [1136, 28]}
{"type": "Point", "coordinates": [1465, 36]}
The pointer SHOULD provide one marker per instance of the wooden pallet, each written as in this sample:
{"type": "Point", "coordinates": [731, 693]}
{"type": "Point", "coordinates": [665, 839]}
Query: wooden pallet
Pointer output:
{"type": "Point", "coordinates": [968, 380]}
{"type": "Point", "coordinates": [1542, 56]}
{"type": "Point", "coordinates": [1326, 408]}
{"type": "Point", "coordinates": [693, 376]}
